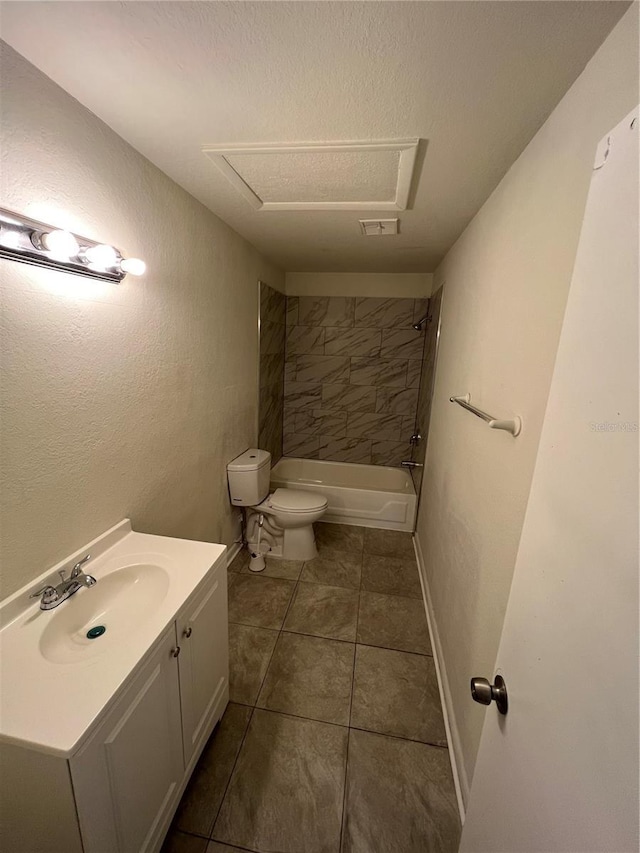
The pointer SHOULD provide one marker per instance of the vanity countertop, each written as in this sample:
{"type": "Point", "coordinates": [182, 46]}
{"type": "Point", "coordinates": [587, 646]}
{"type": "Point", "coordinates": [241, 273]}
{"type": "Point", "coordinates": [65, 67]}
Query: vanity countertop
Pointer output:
{"type": "Point", "coordinates": [55, 681]}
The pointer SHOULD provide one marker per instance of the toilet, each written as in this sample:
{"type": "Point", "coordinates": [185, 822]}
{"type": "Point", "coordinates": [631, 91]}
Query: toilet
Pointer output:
{"type": "Point", "coordinates": [280, 523]}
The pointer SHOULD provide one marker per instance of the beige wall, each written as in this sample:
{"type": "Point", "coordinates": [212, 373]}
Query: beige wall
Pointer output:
{"type": "Point", "coordinates": [117, 400]}
{"type": "Point", "coordinates": [406, 285]}
{"type": "Point", "coordinates": [506, 283]}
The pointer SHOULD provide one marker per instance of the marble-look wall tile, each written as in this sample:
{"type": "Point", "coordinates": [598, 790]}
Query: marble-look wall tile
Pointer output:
{"type": "Point", "coordinates": [272, 305]}
{"type": "Point", "coordinates": [320, 423]}
{"type": "Point", "coordinates": [305, 340]}
{"type": "Point", "coordinates": [352, 342]}
{"type": "Point", "coordinates": [373, 426]}
{"type": "Point", "coordinates": [390, 452]}
{"type": "Point", "coordinates": [414, 372]}
{"type": "Point", "coordinates": [271, 369]}
{"type": "Point", "coordinates": [290, 368]}
{"type": "Point", "coordinates": [423, 410]}
{"type": "Point", "coordinates": [408, 425]}
{"type": "Point", "coordinates": [345, 449]}
{"type": "Point", "coordinates": [396, 401]}
{"type": "Point", "coordinates": [302, 395]}
{"type": "Point", "coordinates": [354, 398]}
{"type": "Point", "coordinates": [289, 419]}
{"type": "Point", "coordinates": [322, 368]}
{"type": "Point", "coordinates": [270, 402]}
{"type": "Point", "coordinates": [379, 371]}
{"type": "Point", "coordinates": [292, 310]}
{"type": "Point", "coordinates": [304, 446]}
{"type": "Point", "coordinates": [272, 337]}
{"type": "Point", "coordinates": [384, 313]}
{"type": "Point", "coordinates": [351, 375]}
{"type": "Point", "coordinates": [271, 436]}
{"type": "Point", "coordinates": [402, 343]}
{"type": "Point", "coordinates": [326, 310]}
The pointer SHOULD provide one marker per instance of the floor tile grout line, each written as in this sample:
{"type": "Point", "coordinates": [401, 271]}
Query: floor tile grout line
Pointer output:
{"type": "Point", "coordinates": [344, 793]}
{"type": "Point", "coordinates": [317, 636]}
{"type": "Point", "coordinates": [226, 787]}
{"type": "Point", "coordinates": [398, 737]}
{"type": "Point", "coordinates": [281, 630]}
{"type": "Point", "coordinates": [191, 833]}
{"type": "Point", "coordinates": [392, 649]}
{"type": "Point", "coordinates": [300, 717]}
{"type": "Point", "coordinates": [355, 650]}
{"type": "Point", "coordinates": [275, 645]}
{"type": "Point", "coordinates": [353, 678]}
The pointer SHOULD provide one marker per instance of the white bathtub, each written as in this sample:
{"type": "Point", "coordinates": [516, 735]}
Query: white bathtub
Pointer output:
{"type": "Point", "coordinates": [366, 495]}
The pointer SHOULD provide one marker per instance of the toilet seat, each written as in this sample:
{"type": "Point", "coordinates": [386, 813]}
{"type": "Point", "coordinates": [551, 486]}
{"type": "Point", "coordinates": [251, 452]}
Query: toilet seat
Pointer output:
{"type": "Point", "coordinates": [296, 501]}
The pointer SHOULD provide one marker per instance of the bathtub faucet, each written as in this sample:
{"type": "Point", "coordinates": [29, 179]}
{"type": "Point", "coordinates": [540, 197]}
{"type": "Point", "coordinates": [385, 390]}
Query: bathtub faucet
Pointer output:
{"type": "Point", "coordinates": [409, 464]}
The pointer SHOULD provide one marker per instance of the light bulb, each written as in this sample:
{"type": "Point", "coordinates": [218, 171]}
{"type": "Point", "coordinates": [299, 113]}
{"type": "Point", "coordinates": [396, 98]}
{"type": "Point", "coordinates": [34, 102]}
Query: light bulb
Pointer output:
{"type": "Point", "coordinates": [62, 244]}
{"type": "Point", "coordinates": [102, 256]}
{"type": "Point", "coordinates": [134, 266]}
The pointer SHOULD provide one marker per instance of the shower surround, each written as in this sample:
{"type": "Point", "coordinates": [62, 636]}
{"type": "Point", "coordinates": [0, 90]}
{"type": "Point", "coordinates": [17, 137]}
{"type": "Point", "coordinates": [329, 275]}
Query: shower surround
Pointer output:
{"type": "Point", "coordinates": [352, 377]}
{"type": "Point", "coordinates": [272, 331]}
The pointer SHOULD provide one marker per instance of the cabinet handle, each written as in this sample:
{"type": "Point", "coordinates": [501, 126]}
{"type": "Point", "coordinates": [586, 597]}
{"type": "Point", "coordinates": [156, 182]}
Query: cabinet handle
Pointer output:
{"type": "Point", "coordinates": [175, 652]}
{"type": "Point", "coordinates": [187, 632]}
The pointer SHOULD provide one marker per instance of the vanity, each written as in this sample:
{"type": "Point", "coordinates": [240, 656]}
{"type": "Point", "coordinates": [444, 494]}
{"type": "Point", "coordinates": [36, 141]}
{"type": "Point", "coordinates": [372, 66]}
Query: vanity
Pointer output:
{"type": "Point", "coordinates": [109, 698]}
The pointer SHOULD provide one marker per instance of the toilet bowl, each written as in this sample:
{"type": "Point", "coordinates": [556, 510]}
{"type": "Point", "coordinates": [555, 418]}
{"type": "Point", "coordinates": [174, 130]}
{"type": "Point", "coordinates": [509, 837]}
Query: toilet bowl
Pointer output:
{"type": "Point", "coordinates": [280, 523]}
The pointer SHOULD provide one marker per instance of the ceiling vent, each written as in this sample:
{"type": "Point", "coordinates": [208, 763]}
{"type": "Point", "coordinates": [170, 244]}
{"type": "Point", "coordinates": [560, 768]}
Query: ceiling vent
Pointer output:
{"type": "Point", "coordinates": [373, 175]}
{"type": "Point", "coordinates": [378, 227]}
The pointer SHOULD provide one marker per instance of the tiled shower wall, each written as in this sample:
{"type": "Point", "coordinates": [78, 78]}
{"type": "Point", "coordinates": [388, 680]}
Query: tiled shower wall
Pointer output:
{"type": "Point", "coordinates": [423, 416]}
{"type": "Point", "coordinates": [271, 381]}
{"type": "Point", "coordinates": [352, 375]}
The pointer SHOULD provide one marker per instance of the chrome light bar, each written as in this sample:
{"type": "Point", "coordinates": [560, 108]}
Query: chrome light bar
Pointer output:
{"type": "Point", "coordinates": [32, 242]}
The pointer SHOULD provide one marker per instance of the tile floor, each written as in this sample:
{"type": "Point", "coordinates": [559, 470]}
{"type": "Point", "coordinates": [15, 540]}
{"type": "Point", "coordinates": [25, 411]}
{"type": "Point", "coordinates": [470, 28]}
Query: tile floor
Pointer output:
{"type": "Point", "coordinates": [333, 741]}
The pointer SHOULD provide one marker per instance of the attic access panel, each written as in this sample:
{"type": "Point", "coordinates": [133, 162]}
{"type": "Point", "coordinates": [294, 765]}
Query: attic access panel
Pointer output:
{"type": "Point", "coordinates": [373, 175]}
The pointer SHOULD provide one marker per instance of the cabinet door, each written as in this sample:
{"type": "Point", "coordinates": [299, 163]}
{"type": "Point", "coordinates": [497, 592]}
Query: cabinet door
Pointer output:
{"type": "Point", "coordinates": [204, 661]}
{"type": "Point", "coordinates": [127, 776]}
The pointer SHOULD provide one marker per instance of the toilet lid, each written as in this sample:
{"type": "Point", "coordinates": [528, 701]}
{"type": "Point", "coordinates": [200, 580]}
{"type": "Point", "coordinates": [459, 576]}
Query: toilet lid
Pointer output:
{"type": "Point", "coordinates": [294, 500]}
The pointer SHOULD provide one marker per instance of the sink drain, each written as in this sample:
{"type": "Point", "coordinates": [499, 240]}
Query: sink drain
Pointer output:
{"type": "Point", "coordinates": [95, 632]}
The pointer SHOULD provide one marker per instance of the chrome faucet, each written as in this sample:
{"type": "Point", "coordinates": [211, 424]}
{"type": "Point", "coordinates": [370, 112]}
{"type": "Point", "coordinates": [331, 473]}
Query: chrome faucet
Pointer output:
{"type": "Point", "coordinates": [409, 464]}
{"type": "Point", "coordinates": [52, 596]}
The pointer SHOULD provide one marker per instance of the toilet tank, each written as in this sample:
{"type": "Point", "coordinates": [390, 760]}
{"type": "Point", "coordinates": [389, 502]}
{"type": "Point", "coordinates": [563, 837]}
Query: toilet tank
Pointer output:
{"type": "Point", "coordinates": [248, 476]}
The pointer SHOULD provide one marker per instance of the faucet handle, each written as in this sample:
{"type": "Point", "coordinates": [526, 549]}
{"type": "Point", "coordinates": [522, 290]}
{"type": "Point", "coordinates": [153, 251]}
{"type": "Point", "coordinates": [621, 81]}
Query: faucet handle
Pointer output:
{"type": "Point", "coordinates": [48, 593]}
{"type": "Point", "coordinates": [75, 571]}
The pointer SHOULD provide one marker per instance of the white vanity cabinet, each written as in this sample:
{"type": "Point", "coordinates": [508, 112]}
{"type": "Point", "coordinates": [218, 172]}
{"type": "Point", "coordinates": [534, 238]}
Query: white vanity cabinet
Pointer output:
{"type": "Point", "coordinates": [128, 777]}
{"type": "Point", "coordinates": [128, 773]}
{"type": "Point", "coordinates": [118, 792]}
{"type": "Point", "coordinates": [203, 664]}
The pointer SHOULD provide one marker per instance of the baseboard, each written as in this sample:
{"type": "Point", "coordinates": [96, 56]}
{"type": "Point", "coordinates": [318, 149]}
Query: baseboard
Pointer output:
{"type": "Point", "coordinates": [453, 738]}
{"type": "Point", "coordinates": [233, 551]}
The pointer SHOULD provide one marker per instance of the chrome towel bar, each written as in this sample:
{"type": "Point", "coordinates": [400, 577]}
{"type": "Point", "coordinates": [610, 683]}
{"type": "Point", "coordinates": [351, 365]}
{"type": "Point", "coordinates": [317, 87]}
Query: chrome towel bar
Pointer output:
{"type": "Point", "coordinates": [514, 426]}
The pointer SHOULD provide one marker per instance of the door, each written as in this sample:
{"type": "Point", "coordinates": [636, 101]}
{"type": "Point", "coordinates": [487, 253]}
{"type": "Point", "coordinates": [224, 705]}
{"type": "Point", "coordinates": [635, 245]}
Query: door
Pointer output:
{"type": "Point", "coordinates": [204, 661]}
{"type": "Point", "coordinates": [128, 774]}
{"type": "Point", "coordinates": [559, 772]}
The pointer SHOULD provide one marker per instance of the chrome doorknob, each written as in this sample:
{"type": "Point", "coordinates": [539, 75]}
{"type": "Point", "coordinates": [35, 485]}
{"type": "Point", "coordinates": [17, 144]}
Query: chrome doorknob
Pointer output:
{"type": "Point", "coordinates": [485, 693]}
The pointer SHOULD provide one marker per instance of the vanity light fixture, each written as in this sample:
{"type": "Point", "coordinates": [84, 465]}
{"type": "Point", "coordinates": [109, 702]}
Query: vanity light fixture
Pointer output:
{"type": "Point", "coordinates": [33, 242]}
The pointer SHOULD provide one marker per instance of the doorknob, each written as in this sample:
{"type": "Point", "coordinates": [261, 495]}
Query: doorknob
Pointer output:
{"type": "Point", "coordinates": [485, 693]}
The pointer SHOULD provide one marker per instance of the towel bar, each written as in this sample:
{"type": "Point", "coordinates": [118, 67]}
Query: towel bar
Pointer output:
{"type": "Point", "coordinates": [514, 426]}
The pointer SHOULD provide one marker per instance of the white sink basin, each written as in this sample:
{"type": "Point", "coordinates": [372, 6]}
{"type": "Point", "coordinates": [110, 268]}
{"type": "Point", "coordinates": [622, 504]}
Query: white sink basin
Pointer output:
{"type": "Point", "coordinates": [121, 602]}
{"type": "Point", "coordinates": [55, 680]}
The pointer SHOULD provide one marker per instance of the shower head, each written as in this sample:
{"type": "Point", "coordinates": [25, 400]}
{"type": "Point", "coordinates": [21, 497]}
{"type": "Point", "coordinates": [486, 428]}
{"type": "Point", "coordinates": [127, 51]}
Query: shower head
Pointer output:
{"type": "Point", "coordinates": [418, 326]}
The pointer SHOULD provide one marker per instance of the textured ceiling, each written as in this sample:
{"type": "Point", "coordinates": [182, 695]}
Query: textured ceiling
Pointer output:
{"type": "Point", "coordinates": [330, 176]}
{"type": "Point", "coordinates": [475, 80]}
